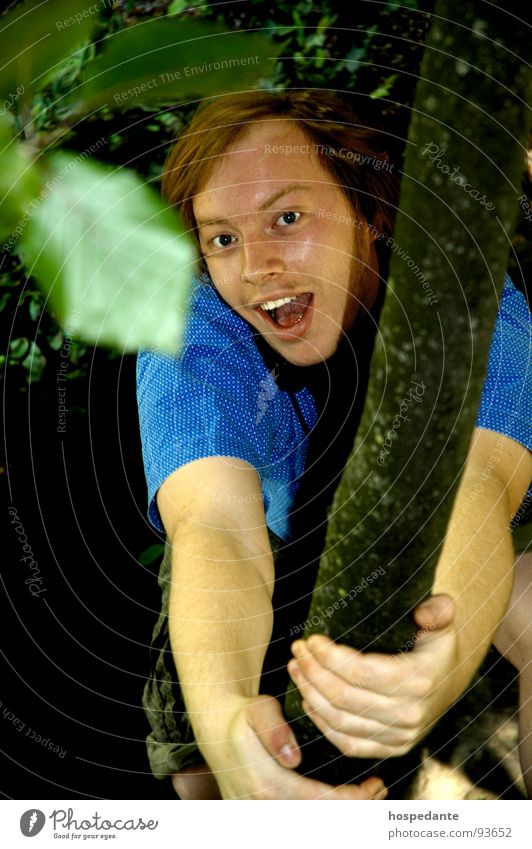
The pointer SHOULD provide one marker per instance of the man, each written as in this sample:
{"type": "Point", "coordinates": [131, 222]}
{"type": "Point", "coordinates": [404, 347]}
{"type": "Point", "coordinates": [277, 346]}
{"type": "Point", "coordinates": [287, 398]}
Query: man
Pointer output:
{"type": "Point", "coordinates": [245, 434]}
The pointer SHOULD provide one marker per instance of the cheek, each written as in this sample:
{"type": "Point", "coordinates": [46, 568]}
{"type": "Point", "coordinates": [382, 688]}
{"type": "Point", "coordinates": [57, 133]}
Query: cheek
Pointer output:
{"type": "Point", "coordinates": [337, 245]}
{"type": "Point", "coordinates": [224, 278]}
{"type": "Point", "coordinates": [303, 253]}
{"type": "Point", "coordinates": [310, 251]}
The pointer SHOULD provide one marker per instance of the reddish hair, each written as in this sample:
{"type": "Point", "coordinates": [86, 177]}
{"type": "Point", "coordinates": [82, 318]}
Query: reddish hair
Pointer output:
{"type": "Point", "coordinates": [325, 118]}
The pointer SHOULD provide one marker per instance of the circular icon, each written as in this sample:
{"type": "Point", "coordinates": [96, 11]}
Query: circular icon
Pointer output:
{"type": "Point", "coordinates": [32, 822]}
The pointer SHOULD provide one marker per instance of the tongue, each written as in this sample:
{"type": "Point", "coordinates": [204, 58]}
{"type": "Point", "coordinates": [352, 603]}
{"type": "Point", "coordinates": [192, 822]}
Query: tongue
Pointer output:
{"type": "Point", "coordinates": [290, 314]}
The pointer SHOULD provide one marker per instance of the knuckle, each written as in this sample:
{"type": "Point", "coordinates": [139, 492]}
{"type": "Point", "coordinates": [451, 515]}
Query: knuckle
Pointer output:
{"type": "Point", "coordinates": [372, 750]}
{"type": "Point", "coordinates": [350, 752]}
{"type": "Point", "coordinates": [422, 685]}
{"type": "Point", "coordinates": [327, 715]}
{"type": "Point", "coordinates": [386, 752]}
{"type": "Point", "coordinates": [404, 737]}
{"type": "Point", "coordinates": [347, 746]}
{"type": "Point", "coordinates": [335, 719]}
{"type": "Point", "coordinates": [266, 795]}
{"type": "Point", "coordinates": [412, 718]}
{"type": "Point", "coordinates": [428, 684]}
{"type": "Point", "coordinates": [399, 751]}
{"type": "Point", "coordinates": [260, 791]}
{"type": "Point", "coordinates": [340, 699]}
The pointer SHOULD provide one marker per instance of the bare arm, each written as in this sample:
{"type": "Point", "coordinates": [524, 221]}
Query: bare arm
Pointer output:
{"type": "Point", "coordinates": [476, 567]}
{"type": "Point", "coordinates": [222, 583]}
{"type": "Point", "coordinates": [399, 698]}
{"type": "Point", "coordinates": [220, 619]}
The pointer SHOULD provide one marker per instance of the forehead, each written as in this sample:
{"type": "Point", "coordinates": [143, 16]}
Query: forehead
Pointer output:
{"type": "Point", "coordinates": [263, 159]}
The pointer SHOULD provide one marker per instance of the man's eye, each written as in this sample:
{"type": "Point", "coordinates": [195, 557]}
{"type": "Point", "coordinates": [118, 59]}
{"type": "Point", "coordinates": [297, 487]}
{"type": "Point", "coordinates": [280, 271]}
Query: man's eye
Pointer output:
{"type": "Point", "coordinates": [289, 217]}
{"type": "Point", "coordinates": [222, 241]}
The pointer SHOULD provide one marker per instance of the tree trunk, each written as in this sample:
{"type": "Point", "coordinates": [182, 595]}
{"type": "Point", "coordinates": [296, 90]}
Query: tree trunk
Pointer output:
{"type": "Point", "coordinates": [458, 208]}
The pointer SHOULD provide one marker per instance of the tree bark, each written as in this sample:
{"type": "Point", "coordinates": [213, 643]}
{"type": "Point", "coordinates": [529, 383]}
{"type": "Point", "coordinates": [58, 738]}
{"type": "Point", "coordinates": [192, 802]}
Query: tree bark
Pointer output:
{"type": "Point", "coordinates": [458, 208]}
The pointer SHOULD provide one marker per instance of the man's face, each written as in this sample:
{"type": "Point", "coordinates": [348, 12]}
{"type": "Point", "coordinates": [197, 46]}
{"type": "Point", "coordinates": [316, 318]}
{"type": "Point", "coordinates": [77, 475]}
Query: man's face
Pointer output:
{"type": "Point", "coordinates": [282, 244]}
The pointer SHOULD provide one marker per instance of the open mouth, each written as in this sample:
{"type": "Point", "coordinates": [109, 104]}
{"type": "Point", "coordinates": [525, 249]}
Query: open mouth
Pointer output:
{"type": "Point", "coordinates": [287, 312]}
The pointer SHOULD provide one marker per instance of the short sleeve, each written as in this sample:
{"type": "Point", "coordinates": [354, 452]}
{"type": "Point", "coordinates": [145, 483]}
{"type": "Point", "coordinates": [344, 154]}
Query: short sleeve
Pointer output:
{"type": "Point", "coordinates": [506, 402]}
{"type": "Point", "coordinates": [191, 407]}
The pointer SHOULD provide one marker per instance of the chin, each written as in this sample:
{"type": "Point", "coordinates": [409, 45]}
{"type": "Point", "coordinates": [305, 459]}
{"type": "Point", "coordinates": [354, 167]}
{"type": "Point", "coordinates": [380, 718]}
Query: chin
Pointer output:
{"type": "Point", "coordinates": [308, 356]}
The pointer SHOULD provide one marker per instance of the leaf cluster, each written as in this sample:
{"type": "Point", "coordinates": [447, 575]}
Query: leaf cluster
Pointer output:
{"type": "Point", "coordinates": [113, 262]}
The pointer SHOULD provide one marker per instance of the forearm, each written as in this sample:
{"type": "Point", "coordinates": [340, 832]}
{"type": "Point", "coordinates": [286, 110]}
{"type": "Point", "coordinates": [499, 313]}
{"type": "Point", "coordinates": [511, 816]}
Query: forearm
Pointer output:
{"type": "Point", "coordinates": [220, 621]}
{"type": "Point", "coordinates": [476, 569]}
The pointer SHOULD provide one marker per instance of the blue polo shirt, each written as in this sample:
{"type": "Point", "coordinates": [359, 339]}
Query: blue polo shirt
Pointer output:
{"type": "Point", "coordinates": [217, 397]}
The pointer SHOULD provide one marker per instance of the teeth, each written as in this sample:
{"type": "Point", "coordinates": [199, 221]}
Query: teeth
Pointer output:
{"type": "Point", "coordinates": [272, 305]}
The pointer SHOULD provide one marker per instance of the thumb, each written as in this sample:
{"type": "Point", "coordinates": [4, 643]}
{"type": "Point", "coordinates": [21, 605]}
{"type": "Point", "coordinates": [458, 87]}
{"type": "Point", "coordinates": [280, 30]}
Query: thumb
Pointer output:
{"type": "Point", "coordinates": [265, 717]}
{"type": "Point", "coordinates": [433, 615]}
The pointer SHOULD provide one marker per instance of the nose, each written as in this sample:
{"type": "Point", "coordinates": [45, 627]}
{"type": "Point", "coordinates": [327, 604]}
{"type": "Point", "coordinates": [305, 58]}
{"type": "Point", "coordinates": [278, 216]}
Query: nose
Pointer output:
{"type": "Point", "coordinates": [261, 260]}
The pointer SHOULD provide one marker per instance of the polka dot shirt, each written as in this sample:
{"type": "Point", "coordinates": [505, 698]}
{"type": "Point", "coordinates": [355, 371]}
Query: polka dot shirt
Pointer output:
{"type": "Point", "coordinates": [218, 398]}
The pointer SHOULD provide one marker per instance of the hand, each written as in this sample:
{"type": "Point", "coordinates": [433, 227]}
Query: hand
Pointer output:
{"type": "Point", "coordinates": [259, 755]}
{"type": "Point", "coordinates": [376, 705]}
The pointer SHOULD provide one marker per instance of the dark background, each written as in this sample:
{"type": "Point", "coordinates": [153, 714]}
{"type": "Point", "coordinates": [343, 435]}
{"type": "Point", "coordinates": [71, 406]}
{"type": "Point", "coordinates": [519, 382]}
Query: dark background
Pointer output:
{"type": "Point", "coordinates": [74, 658]}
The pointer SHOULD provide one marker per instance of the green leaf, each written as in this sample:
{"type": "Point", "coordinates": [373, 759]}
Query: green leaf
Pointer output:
{"type": "Point", "coordinates": [111, 256]}
{"type": "Point", "coordinates": [56, 342]}
{"type": "Point", "coordinates": [20, 182]}
{"type": "Point", "coordinates": [315, 40]}
{"type": "Point", "coordinates": [35, 309]}
{"type": "Point", "coordinates": [384, 89]}
{"type": "Point", "coordinates": [176, 7]}
{"type": "Point", "coordinates": [34, 363]}
{"type": "Point", "coordinates": [7, 282]}
{"type": "Point", "coordinates": [165, 60]}
{"type": "Point", "coordinates": [36, 36]}
{"type": "Point", "coordinates": [18, 347]}
{"type": "Point", "coordinates": [321, 55]}
{"type": "Point", "coordinates": [149, 555]}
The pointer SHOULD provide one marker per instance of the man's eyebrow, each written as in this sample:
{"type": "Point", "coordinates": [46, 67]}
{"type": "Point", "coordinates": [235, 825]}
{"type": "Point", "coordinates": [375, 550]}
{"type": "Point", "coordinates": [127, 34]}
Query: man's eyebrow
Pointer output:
{"type": "Point", "coordinates": [267, 204]}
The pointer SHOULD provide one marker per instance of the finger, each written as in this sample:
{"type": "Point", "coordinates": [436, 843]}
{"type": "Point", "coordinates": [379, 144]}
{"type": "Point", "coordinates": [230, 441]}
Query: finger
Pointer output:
{"type": "Point", "coordinates": [395, 729]}
{"type": "Point", "coordinates": [370, 789]}
{"type": "Point", "coordinates": [388, 675]}
{"type": "Point", "coordinates": [287, 784]}
{"type": "Point", "coordinates": [433, 615]}
{"type": "Point", "coordinates": [351, 711]}
{"type": "Point", "coordinates": [355, 747]}
{"type": "Point", "coordinates": [319, 654]}
{"type": "Point", "coordinates": [373, 674]}
{"type": "Point", "coordinates": [266, 719]}
{"type": "Point", "coordinates": [309, 788]}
